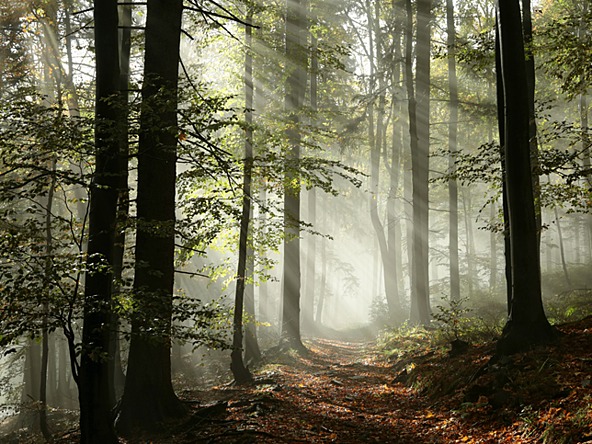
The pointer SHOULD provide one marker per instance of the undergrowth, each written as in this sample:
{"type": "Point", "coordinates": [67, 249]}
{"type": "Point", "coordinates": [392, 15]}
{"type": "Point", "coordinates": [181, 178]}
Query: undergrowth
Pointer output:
{"type": "Point", "coordinates": [542, 395]}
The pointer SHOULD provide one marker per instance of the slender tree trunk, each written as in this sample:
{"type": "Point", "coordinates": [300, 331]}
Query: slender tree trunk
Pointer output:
{"type": "Point", "coordinates": [308, 303]}
{"type": "Point", "coordinates": [28, 415]}
{"type": "Point", "coordinates": [532, 126]}
{"type": "Point", "coordinates": [452, 147]}
{"type": "Point", "coordinates": [501, 119]}
{"type": "Point", "coordinates": [252, 350]}
{"type": "Point", "coordinates": [241, 374]}
{"type": "Point", "coordinates": [148, 398]}
{"type": "Point", "coordinates": [265, 311]}
{"type": "Point", "coordinates": [393, 219]}
{"type": "Point", "coordinates": [96, 424]}
{"type": "Point", "coordinates": [493, 249]}
{"type": "Point", "coordinates": [562, 248]}
{"type": "Point", "coordinates": [470, 241]}
{"type": "Point", "coordinates": [323, 280]}
{"type": "Point", "coordinates": [586, 159]}
{"type": "Point", "coordinates": [44, 329]}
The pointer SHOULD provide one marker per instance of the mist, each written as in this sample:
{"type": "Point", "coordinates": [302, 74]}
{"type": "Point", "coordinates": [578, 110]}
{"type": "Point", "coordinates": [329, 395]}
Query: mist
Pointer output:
{"type": "Point", "coordinates": [277, 184]}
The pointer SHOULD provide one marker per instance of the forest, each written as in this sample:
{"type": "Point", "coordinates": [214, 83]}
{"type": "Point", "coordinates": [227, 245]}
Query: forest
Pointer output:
{"type": "Point", "coordinates": [350, 221]}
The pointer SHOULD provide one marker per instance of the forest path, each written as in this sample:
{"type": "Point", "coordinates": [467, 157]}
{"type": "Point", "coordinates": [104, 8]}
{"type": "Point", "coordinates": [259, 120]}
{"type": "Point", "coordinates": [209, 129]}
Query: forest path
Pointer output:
{"type": "Point", "coordinates": [339, 392]}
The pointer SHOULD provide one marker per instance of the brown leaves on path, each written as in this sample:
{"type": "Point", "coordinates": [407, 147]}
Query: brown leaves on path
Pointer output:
{"type": "Point", "coordinates": [340, 392]}
{"type": "Point", "coordinates": [345, 392]}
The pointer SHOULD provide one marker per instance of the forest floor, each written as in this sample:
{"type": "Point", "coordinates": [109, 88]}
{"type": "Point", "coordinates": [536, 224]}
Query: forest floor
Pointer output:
{"type": "Point", "coordinates": [348, 391]}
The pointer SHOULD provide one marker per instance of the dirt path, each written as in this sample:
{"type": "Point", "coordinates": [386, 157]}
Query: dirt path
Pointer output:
{"type": "Point", "coordinates": [339, 392]}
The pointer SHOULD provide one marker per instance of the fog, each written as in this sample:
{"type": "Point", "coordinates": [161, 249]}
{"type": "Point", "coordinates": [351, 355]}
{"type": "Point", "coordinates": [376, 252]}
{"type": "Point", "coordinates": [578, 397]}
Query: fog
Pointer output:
{"type": "Point", "coordinates": [340, 128]}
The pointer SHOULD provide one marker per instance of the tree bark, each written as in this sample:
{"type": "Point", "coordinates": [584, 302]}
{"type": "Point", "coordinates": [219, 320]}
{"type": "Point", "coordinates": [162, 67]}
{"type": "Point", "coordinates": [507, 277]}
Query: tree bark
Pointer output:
{"type": "Point", "coordinates": [420, 291]}
{"type": "Point", "coordinates": [116, 373]}
{"type": "Point", "coordinates": [148, 398]}
{"type": "Point", "coordinates": [96, 424]}
{"type": "Point", "coordinates": [308, 303]}
{"type": "Point", "coordinates": [452, 148]}
{"type": "Point", "coordinates": [527, 324]}
{"type": "Point", "coordinates": [501, 119]}
{"type": "Point", "coordinates": [296, 55]}
{"type": "Point", "coordinates": [241, 374]}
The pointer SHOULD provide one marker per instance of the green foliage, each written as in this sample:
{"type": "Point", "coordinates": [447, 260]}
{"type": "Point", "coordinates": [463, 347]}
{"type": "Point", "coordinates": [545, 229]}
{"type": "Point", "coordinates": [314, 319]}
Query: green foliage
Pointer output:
{"type": "Point", "coordinates": [379, 311]}
{"type": "Point", "coordinates": [42, 213]}
{"type": "Point", "coordinates": [569, 306]}
{"type": "Point", "coordinates": [453, 320]}
{"type": "Point", "coordinates": [408, 339]}
{"type": "Point", "coordinates": [567, 46]}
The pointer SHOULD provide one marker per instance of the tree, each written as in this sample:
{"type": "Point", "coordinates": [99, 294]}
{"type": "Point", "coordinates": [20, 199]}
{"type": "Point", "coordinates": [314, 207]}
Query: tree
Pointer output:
{"type": "Point", "coordinates": [527, 323]}
{"type": "Point", "coordinates": [148, 397]}
{"type": "Point", "coordinates": [452, 147]}
{"type": "Point", "coordinates": [296, 56]}
{"type": "Point", "coordinates": [377, 138]}
{"type": "Point", "coordinates": [96, 424]}
{"type": "Point", "coordinates": [240, 372]}
{"type": "Point", "coordinates": [420, 291]}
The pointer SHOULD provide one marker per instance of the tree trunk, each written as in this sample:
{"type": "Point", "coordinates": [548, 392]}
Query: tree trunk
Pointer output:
{"type": "Point", "coordinates": [420, 297]}
{"type": "Point", "coordinates": [501, 119]}
{"type": "Point", "coordinates": [241, 374]}
{"type": "Point", "coordinates": [44, 329]}
{"type": "Point", "coordinates": [393, 218]}
{"type": "Point", "coordinates": [586, 159]}
{"type": "Point", "coordinates": [532, 126]}
{"type": "Point", "coordinates": [296, 55]}
{"type": "Point", "coordinates": [252, 350]}
{"type": "Point", "coordinates": [148, 398]}
{"type": "Point", "coordinates": [28, 414]}
{"type": "Point", "coordinates": [452, 148]}
{"type": "Point", "coordinates": [527, 324]}
{"type": "Point", "coordinates": [323, 280]}
{"type": "Point", "coordinates": [377, 141]}
{"type": "Point", "coordinates": [562, 249]}
{"type": "Point", "coordinates": [308, 303]}
{"type": "Point", "coordinates": [493, 249]}
{"type": "Point", "coordinates": [96, 424]}
{"type": "Point", "coordinates": [116, 373]}
{"type": "Point", "coordinates": [470, 241]}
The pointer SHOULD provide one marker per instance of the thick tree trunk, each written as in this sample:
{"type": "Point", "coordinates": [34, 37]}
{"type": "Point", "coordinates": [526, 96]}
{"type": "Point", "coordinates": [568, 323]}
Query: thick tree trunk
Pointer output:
{"type": "Point", "coordinates": [96, 424]}
{"type": "Point", "coordinates": [527, 324]}
{"type": "Point", "coordinates": [149, 399]}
